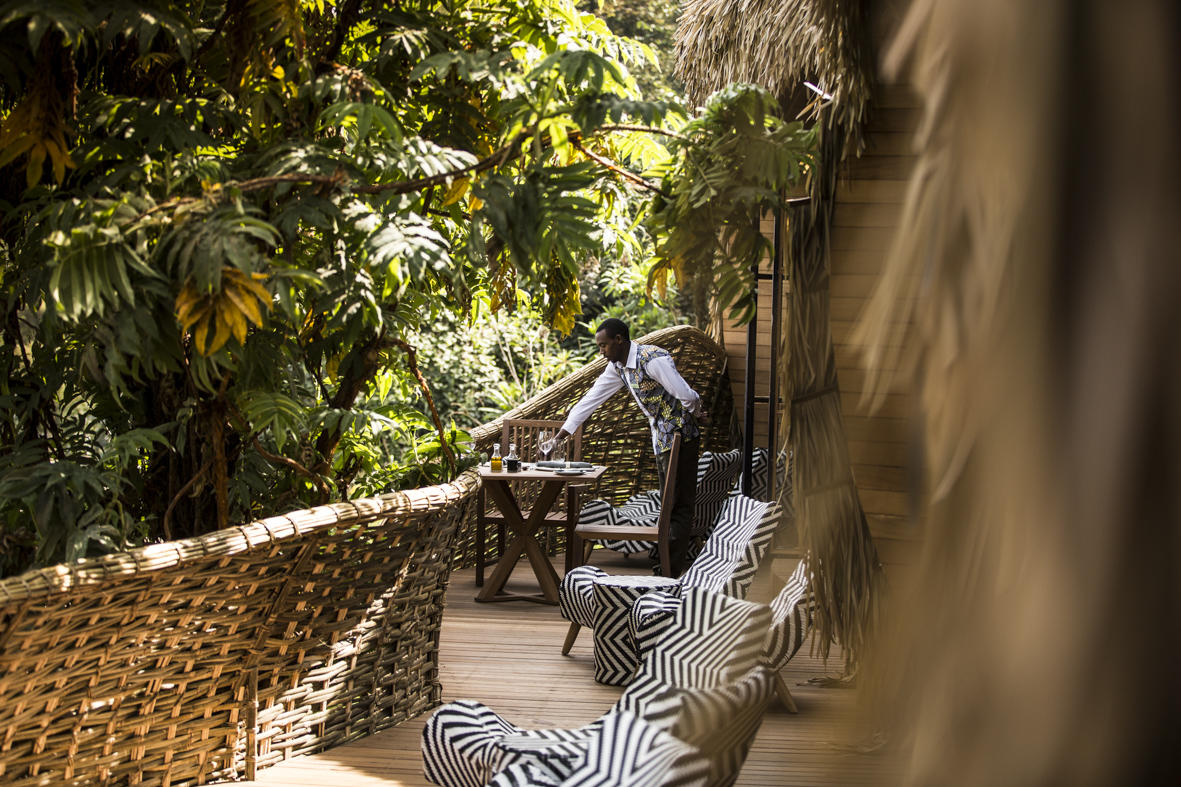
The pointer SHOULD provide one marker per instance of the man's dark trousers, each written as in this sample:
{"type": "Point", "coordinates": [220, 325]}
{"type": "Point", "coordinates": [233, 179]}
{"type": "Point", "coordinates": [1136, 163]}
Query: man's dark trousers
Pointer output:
{"type": "Point", "coordinates": [685, 488]}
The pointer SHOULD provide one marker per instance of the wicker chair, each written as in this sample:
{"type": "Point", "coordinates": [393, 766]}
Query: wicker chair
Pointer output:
{"type": "Point", "coordinates": [727, 565]}
{"type": "Point", "coordinates": [524, 434]}
{"type": "Point", "coordinates": [703, 684]}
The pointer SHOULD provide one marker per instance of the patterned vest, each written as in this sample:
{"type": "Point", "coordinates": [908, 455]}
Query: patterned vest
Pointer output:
{"type": "Point", "coordinates": [666, 414]}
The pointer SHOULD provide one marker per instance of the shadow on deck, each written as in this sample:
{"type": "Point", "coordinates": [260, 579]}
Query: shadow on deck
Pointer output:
{"type": "Point", "coordinates": [507, 655]}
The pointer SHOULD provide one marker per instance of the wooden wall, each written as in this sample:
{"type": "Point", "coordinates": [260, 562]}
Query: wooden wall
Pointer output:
{"type": "Point", "coordinates": [869, 202]}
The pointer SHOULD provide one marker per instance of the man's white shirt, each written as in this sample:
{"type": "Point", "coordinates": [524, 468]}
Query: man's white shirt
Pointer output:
{"type": "Point", "coordinates": [661, 369]}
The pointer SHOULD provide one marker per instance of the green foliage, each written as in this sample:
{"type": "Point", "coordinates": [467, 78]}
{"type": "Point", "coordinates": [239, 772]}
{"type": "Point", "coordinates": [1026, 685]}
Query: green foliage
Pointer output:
{"type": "Point", "coordinates": [654, 22]}
{"type": "Point", "coordinates": [233, 233]}
{"type": "Point", "coordinates": [732, 167]}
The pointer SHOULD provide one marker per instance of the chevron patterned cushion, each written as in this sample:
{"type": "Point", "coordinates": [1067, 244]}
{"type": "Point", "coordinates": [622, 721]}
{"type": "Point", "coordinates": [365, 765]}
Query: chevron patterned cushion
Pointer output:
{"type": "Point", "coordinates": [615, 650]}
{"type": "Point", "coordinates": [727, 565]}
{"type": "Point", "coordinates": [791, 613]}
{"type": "Point", "coordinates": [629, 750]}
{"type": "Point", "coordinates": [465, 743]}
{"type": "Point", "coordinates": [743, 518]}
{"type": "Point", "coordinates": [650, 617]}
{"type": "Point", "coordinates": [703, 682]}
{"type": "Point", "coordinates": [760, 478]}
{"type": "Point", "coordinates": [714, 641]}
{"type": "Point", "coordinates": [641, 509]}
{"type": "Point", "coordinates": [733, 552]}
{"type": "Point", "coordinates": [576, 600]}
{"type": "Point", "coordinates": [523, 774]}
{"type": "Point", "coordinates": [715, 479]}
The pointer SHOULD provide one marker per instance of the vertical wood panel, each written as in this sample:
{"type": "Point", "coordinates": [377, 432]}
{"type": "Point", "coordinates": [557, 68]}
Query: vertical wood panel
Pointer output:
{"type": "Point", "coordinates": [868, 209]}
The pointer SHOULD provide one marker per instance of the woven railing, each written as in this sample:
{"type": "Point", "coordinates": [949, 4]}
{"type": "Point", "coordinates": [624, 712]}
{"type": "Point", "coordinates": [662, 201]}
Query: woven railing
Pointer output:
{"type": "Point", "coordinates": [617, 434]}
{"type": "Point", "coordinates": [206, 658]}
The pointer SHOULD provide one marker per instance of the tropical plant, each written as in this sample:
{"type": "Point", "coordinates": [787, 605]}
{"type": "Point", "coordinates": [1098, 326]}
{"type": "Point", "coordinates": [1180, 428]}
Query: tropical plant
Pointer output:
{"type": "Point", "coordinates": [230, 228]}
{"type": "Point", "coordinates": [730, 168]}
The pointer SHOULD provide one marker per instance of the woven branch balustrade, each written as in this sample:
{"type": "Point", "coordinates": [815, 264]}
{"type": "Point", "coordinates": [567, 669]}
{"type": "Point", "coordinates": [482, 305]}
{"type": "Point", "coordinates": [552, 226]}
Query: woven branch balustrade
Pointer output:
{"type": "Point", "coordinates": [617, 434]}
{"type": "Point", "coordinates": [206, 659]}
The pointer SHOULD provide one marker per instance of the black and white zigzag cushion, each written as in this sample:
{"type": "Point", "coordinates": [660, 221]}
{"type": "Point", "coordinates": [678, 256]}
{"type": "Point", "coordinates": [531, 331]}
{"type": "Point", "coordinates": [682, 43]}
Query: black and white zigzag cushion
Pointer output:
{"type": "Point", "coordinates": [576, 601]}
{"type": "Point", "coordinates": [714, 642]}
{"type": "Point", "coordinates": [733, 552]}
{"type": "Point", "coordinates": [727, 565]}
{"type": "Point", "coordinates": [715, 478]}
{"type": "Point", "coordinates": [631, 751]}
{"type": "Point", "coordinates": [760, 480]}
{"type": "Point", "coordinates": [523, 774]}
{"type": "Point", "coordinates": [642, 509]}
{"type": "Point", "coordinates": [791, 614]}
{"type": "Point", "coordinates": [743, 518]}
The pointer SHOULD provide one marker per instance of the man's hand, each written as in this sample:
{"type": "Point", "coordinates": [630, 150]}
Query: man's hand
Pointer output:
{"type": "Point", "coordinates": [561, 435]}
{"type": "Point", "coordinates": [703, 418]}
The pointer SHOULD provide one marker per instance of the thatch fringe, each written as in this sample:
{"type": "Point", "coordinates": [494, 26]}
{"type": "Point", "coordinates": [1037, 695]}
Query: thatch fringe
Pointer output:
{"type": "Point", "coordinates": [846, 573]}
{"type": "Point", "coordinates": [779, 44]}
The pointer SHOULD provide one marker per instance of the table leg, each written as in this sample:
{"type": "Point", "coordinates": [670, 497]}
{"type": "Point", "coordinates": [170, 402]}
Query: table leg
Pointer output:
{"type": "Point", "coordinates": [523, 541]}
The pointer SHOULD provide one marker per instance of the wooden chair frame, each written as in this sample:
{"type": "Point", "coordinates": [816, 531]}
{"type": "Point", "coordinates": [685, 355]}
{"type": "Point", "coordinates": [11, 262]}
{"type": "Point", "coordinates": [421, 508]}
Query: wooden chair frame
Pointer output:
{"type": "Point", "coordinates": [585, 534]}
{"type": "Point", "coordinates": [523, 432]}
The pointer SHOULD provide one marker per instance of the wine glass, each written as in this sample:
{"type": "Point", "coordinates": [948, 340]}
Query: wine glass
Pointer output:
{"type": "Point", "coordinates": [545, 444]}
{"type": "Point", "coordinates": [558, 450]}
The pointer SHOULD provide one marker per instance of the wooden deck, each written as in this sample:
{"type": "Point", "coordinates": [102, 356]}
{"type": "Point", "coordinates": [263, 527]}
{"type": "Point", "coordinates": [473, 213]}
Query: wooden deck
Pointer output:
{"type": "Point", "coordinates": [508, 656]}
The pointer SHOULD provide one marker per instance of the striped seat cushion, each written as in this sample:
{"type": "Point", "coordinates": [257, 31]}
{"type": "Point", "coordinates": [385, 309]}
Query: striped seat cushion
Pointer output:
{"type": "Point", "coordinates": [576, 601]}
{"type": "Point", "coordinates": [704, 672]}
{"type": "Point", "coordinates": [734, 550]}
{"type": "Point", "coordinates": [791, 617]}
{"type": "Point", "coordinates": [715, 479]}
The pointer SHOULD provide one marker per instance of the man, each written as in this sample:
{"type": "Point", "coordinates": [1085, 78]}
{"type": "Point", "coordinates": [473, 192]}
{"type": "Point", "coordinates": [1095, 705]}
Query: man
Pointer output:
{"type": "Point", "coordinates": [670, 405]}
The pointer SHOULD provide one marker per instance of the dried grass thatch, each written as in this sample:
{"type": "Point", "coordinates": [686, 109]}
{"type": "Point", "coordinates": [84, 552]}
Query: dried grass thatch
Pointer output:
{"type": "Point", "coordinates": [779, 44]}
{"type": "Point", "coordinates": [846, 574]}
{"type": "Point", "coordinates": [1042, 228]}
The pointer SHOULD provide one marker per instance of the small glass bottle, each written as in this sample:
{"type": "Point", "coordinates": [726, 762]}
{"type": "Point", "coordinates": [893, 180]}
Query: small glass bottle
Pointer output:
{"type": "Point", "coordinates": [495, 462]}
{"type": "Point", "coordinates": [512, 462]}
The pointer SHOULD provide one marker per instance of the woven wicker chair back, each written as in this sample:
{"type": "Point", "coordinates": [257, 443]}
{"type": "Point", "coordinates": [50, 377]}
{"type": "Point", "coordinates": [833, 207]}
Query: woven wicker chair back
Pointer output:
{"type": "Point", "coordinates": [617, 434]}
{"type": "Point", "coordinates": [204, 659]}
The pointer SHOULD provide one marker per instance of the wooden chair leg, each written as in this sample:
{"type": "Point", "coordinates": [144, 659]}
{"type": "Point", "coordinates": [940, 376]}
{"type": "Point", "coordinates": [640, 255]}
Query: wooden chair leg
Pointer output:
{"type": "Point", "coordinates": [571, 635]}
{"type": "Point", "coordinates": [784, 694]}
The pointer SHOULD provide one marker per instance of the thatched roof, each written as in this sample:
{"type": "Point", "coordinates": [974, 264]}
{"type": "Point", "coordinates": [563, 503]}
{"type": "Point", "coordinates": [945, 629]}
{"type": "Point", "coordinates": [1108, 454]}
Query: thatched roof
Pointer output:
{"type": "Point", "coordinates": [777, 44]}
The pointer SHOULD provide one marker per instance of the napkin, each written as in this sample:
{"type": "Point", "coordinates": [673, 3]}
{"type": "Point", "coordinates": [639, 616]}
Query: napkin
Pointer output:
{"type": "Point", "coordinates": [554, 465]}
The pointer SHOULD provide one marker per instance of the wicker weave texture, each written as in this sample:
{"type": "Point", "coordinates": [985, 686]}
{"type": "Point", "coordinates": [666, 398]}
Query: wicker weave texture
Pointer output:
{"type": "Point", "coordinates": [617, 434]}
{"type": "Point", "coordinates": [207, 658]}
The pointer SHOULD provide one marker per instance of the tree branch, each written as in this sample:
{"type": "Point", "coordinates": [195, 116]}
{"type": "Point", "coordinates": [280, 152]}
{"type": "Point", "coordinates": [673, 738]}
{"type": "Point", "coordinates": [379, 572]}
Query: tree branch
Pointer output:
{"type": "Point", "coordinates": [631, 176]}
{"type": "Point", "coordinates": [340, 180]}
{"type": "Point", "coordinates": [412, 362]}
{"type": "Point", "coordinates": [316, 478]}
{"type": "Point", "coordinates": [166, 525]}
{"type": "Point", "coordinates": [644, 129]}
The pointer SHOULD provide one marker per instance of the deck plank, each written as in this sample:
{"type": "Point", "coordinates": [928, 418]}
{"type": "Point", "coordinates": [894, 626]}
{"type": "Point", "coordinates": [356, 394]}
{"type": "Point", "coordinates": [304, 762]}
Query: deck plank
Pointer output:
{"type": "Point", "coordinates": [507, 654]}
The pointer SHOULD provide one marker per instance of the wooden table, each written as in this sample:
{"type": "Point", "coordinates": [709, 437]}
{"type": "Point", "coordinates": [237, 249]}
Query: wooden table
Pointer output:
{"type": "Point", "coordinates": [499, 488]}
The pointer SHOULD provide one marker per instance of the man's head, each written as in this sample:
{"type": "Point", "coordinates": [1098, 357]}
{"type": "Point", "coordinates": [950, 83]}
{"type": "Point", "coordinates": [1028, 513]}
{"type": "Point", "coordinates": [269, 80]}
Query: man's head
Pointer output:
{"type": "Point", "coordinates": [613, 340]}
